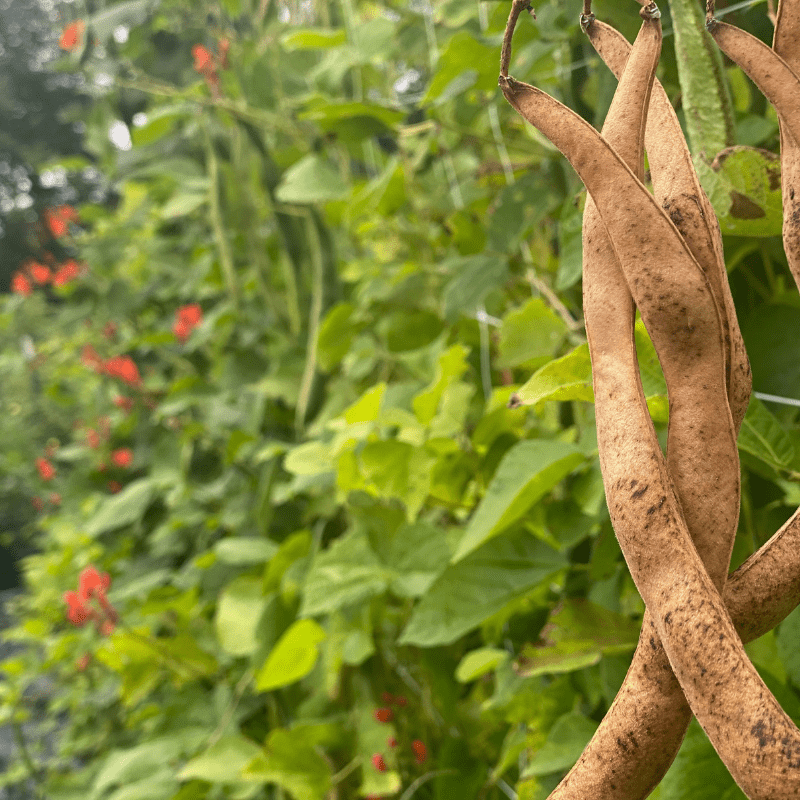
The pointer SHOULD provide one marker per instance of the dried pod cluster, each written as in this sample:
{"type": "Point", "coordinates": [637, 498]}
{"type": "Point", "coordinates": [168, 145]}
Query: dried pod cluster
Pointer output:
{"type": "Point", "coordinates": [676, 517]}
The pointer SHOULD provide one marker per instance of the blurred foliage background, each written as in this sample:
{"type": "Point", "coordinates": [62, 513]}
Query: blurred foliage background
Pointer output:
{"type": "Point", "coordinates": [273, 270]}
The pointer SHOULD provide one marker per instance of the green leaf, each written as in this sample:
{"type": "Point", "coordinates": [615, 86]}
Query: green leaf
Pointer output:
{"type": "Point", "coordinates": [245, 550]}
{"type": "Point", "coordinates": [238, 613]}
{"type": "Point", "coordinates": [125, 766]}
{"type": "Point", "coordinates": [313, 39]}
{"type": "Point", "coordinates": [475, 277]}
{"type": "Point", "coordinates": [567, 738]}
{"type": "Point", "coordinates": [578, 633]}
{"type": "Point", "coordinates": [335, 336]}
{"type": "Point", "coordinates": [565, 378]}
{"type": "Point", "coordinates": [464, 52]}
{"type": "Point", "coordinates": [527, 472]}
{"type": "Point", "coordinates": [223, 761]}
{"type": "Point", "coordinates": [698, 773]}
{"type": "Point", "coordinates": [122, 509]}
{"type": "Point", "coordinates": [294, 763]}
{"type": "Point", "coordinates": [744, 186]}
{"type": "Point", "coordinates": [311, 180]}
{"type": "Point", "coordinates": [531, 333]}
{"type": "Point", "coordinates": [183, 203]}
{"type": "Point", "coordinates": [348, 572]}
{"type": "Point", "coordinates": [293, 657]}
{"type": "Point", "coordinates": [417, 555]}
{"type": "Point", "coordinates": [704, 93]}
{"type": "Point", "coordinates": [469, 592]}
{"type": "Point", "coordinates": [478, 662]}
{"type": "Point", "coordinates": [764, 437]}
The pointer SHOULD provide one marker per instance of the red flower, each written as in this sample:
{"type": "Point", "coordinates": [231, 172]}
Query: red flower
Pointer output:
{"type": "Point", "coordinates": [91, 358]}
{"type": "Point", "coordinates": [39, 272]}
{"type": "Point", "coordinates": [37, 503]}
{"type": "Point", "coordinates": [93, 438]}
{"type": "Point", "coordinates": [114, 486]}
{"type": "Point", "coordinates": [21, 285]}
{"type": "Point", "coordinates": [420, 751]}
{"type": "Point", "coordinates": [123, 367]}
{"type": "Point", "coordinates": [78, 612]}
{"type": "Point", "coordinates": [203, 60]}
{"type": "Point", "coordinates": [110, 330]}
{"type": "Point", "coordinates": [187, 318]}
{"type": "Point", "coordinates": [68, 271]}
{"type": "Point", "coordinates": [91, 582]}
{"type": "Point", "coordinates": [401, 701]}
{"type": "Point", "coordinates": [122, 457]}
{"type": "Point", "coordinates": [55, 499]}
{"type": "Point", "coordinates": [383, 714]}
{"type": "Point", "coordinates": [46, 469]}
{"type": "Point", "coordinates": [378, 762]}
{"type": "Point", "coordinates": [387, 697]}
{"type": "Point", "coordinates": [83, 661]}
{"type": "Point", "coordinates": [391, 741]}
{"type": "Point", "coordinates": [71, 35]}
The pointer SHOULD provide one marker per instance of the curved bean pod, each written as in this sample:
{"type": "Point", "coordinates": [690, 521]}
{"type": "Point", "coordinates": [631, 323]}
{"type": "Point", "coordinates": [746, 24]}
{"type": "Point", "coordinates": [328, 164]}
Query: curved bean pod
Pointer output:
{"type": "Point", "coordinates": [754, 737]}
{"type": "Point", "coordinates": [780, 84]}
{"type": "Point", "coordinates": [677, 188]}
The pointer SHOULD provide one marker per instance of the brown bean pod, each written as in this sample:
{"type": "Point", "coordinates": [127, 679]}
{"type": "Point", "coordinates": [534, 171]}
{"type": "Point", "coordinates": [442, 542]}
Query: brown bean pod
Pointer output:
{"type": "Point", "coordinates": [642, 731]}
{"type": "Point", "coordinates": [780, 84]}
{"type": "Point", "coordinates": [784, 43]}
{"type": "Point", "coordinates": [754, 737]}
{"type": "Point", "coordinates": [677, 188]}
{"type": "Point", "coordinates": [611, 766]}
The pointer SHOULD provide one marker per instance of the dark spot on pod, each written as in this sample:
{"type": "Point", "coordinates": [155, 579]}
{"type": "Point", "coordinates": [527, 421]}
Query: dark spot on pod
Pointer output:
{"type": "Point", "coordinates": [639, 492]}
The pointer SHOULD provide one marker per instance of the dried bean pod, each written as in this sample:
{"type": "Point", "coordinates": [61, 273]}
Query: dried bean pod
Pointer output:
{"type": "Point", "coordinates": [784, 43]}
{"type": "Point", "coordinates": [754, 737]}
{"type": "Point", "coordinates": [781, 86]}
{"type": "Point", "coordinates": [677, 188]}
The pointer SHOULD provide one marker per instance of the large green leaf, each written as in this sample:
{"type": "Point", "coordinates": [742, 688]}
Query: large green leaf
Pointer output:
{"type": "Point", "coordinates": [530, 334]}
{"type": "Point", "coordinates": [238, 613]}
{"type": "Point", "coordinates": [565, 378]}
{"type": "Point", "coordinates": [469, 592]}
{"type": "Point", "coordinates": [565, 742]}
{"type": "Point", "coordinates": [578, 633]}
{"type": "Point", "coordinates": [294, 763]}
{"type": "Point", "coordinates": [474, 277]}
{"type": "Point", "coordinates": [764, 437]}
{"type": "Point", "coordinates": [311, 180]}
{"type": "Point", "coordinates": [527, 472]}
{"type": "Point", "coordinates": [293, 657]}
{"type": "Point", "coordinates": [698, 773]}
{"type": "Point", "coordinates": [347, 572]}
{"type": "Point", "coordinates": [223, 761]}
{"type": "Point", "coordinates": [744, 186]}
{"type": "Point", "coordinates": [123, 508]}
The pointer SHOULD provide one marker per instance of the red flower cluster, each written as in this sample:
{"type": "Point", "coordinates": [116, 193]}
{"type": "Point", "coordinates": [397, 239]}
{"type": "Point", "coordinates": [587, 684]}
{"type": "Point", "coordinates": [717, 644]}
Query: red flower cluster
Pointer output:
{"type": "Point", "coordinates": [32, 272]}
{"type": "Point", "coordinates": [57, 220]}
{"type": "Point", "coordinates": [124, 403]}
{"type": "Point", "coordinates": [206, 63]}
{"type": "Point", "coordinates": [385, 714]}
{"type": "Point", "coordinates": [91, 583]}
{"type": "Point", "coordinates": [46, 470]}
{"type": "Point", "coordinates": [122, 457]}
{"type": "Point", "coordinates": [72, 35]}
{"type": "Point", "coordinates": [187, 318]}
{"type": "Point", "coordinates": [21, 285]}
{"type": "Point", "coordinates": [124, 368]}
{"type": "Point", "coordinates": [67, 272]}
